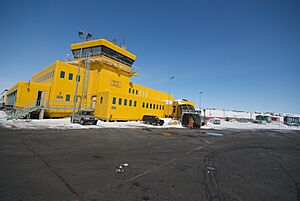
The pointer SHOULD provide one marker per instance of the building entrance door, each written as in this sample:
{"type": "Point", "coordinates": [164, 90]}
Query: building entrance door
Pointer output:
{"type": "Point", "coordinates": [94, 101]}
{"type": "Point", "coordinates": [39, 98]}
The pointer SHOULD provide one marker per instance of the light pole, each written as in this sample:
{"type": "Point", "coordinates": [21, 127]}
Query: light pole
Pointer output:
{"type": "Point", "coordinates": [80, 34]}
{"type": "Point", "coordinates": [170, 78]}
{"type": "Point", "coordinates": [200, 93]}
{"type": "Point", "coordinates": [86, 55]}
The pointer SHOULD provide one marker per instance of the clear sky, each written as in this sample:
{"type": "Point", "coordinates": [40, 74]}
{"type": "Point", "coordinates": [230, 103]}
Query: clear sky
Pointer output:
{"type": "Point", "coordinates": [243, 55]}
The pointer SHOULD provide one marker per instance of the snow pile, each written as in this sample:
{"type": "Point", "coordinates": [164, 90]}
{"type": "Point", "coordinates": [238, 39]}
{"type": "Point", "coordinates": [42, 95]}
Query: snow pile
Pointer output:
{"type": "Point", "coordinates": [171, 123]}
{"type": "Point", "coordinates": [66, 124]}
{"type": "Point", "coordinates": [239, 125]}
{"type": "Point", "coordinates": [3, 115]}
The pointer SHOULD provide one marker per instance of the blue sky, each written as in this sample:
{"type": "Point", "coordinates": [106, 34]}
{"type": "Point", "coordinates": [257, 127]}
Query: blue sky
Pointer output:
{"type": "Point", "coordinates": [243, 55]}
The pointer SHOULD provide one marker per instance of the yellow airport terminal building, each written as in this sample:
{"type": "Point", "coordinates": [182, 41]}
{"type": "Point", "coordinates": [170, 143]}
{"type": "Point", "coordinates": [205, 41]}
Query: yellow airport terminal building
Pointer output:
{"type": "Point", "coordinates": [104, 86]}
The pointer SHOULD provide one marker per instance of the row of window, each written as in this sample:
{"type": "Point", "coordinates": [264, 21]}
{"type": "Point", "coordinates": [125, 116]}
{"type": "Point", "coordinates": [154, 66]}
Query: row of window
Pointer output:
{"type": "Point", "coordinates": [103, 50]}
{"type": "Point", "coordinates": [135, 91]}
{"type": "Point", "coordinates": [70, 77]}
{"type": "Point", "coordinates": [46, 76]}
{"type": "Point", "coordinates": [144, 104]}
{"type": "Point", "coordinates": [152, 106]}
{"type": "Point", "coordinates": [129, 102]}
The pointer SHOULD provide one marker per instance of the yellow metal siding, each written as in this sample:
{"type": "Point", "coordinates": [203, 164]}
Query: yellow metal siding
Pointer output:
{"type": "Point", "coordinates": [27, 92]}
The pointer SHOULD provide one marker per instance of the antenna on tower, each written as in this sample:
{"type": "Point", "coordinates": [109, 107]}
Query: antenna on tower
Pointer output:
{"type": "Point", "coordinates": [123, 42]}
{"type": "Point", "coordinates": [67, 57]}
{"type": "Point", "coordinates": [93, 32]}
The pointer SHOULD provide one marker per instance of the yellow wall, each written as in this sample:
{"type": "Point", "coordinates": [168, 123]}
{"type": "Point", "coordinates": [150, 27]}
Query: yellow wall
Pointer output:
{"type": "Point", "coordinates": [45, 76]}
{"type": "Point", "coordinates": [117, 85]}
{"type": "Point", "coordinates": [27, 92]}
{"type": "Point", "coordinates": [63, 86]}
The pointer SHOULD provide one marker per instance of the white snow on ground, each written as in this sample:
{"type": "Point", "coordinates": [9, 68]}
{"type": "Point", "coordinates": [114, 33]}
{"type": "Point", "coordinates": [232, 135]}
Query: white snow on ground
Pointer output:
{"type": "Point", "coordinates": [2, 115]}
{"type": "Point", "coordinates": [169, 123]}
{"type": "Point", "coordinates": [239, 125]}
{"type": "Point", "coordinates": [66, 124]}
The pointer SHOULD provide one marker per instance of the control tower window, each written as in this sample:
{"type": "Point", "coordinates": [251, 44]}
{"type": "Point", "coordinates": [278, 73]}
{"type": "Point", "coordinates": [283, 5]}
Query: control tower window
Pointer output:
{"type": "Point", "coordinates": [96, 51]}
{"type": "Point", "coordinates": [76, 54]}
{"type": "Point", "coordinates": [116, 56]}
{"type": "Point", "coordinates": [102, 50]}
{"type": "Point", "coordinates": [86, 52]}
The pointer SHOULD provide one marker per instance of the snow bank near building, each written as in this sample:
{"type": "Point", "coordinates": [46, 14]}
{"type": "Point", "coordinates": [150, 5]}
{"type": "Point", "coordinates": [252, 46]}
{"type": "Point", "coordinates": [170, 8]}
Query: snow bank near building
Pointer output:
{"type": "Point", "coordinates": [66, 124]}
{"type": "Point", "coordinates": [2, 115]}
{"type": "Point", "coordinates": [169, 123]}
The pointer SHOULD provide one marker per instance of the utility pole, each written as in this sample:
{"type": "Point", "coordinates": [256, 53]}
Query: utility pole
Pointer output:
{"type": "Point", "coordinates": [170, 78]}
{"type": "Point", "coordinates": [81, 35]}
{"type": "Point", "coordinates": [200, 93]}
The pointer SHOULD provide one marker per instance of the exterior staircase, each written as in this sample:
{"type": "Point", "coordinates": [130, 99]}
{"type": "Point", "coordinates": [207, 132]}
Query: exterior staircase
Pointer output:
{"type": "Point", "coordinates": [25, 110]}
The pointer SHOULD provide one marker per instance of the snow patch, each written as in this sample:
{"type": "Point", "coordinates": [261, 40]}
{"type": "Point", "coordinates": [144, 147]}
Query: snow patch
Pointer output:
{"type": "Point", "coordinates": [3, 115]}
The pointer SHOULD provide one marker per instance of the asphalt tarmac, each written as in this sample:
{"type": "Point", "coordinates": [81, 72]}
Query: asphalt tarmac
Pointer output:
{"type": "Point", "coordinates": [163, 164]}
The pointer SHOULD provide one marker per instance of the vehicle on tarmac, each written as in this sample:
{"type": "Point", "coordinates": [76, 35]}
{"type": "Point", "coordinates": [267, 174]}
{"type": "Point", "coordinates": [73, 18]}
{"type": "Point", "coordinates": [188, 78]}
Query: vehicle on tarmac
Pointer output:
{"type": "Point", "coordinates": [215, 121]}
{"type": "Point", "coordinates": [153, 120]}
{"type": "Point", "coordinates": [84, 117]}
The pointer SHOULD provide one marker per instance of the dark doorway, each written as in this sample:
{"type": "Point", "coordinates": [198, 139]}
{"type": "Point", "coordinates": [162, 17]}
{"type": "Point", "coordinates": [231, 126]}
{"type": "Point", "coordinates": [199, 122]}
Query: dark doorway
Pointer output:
{"type": "Point", "coordinates": [39, 98]}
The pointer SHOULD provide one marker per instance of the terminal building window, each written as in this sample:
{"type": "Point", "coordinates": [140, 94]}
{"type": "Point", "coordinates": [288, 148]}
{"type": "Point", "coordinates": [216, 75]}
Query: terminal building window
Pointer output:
{"type": "Point", "coordinates": [120, 101]}
{"type": "Point", "coordinates": [125, 101]}
{"type": "Point", "coordinates": [70, 76]}
{"type": "Point", "coordinates": [130, 102]}
{"type": "Point", "coordinates": [114, 100]}
{"type": "Point", "coordinates": [68, 97]}
{"type": "Point", "coordinates": [134, 103]}
{"type": "Point", "coordinates": [103, 50]}
{"type": "Point", "coordinates": [62, 74]}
